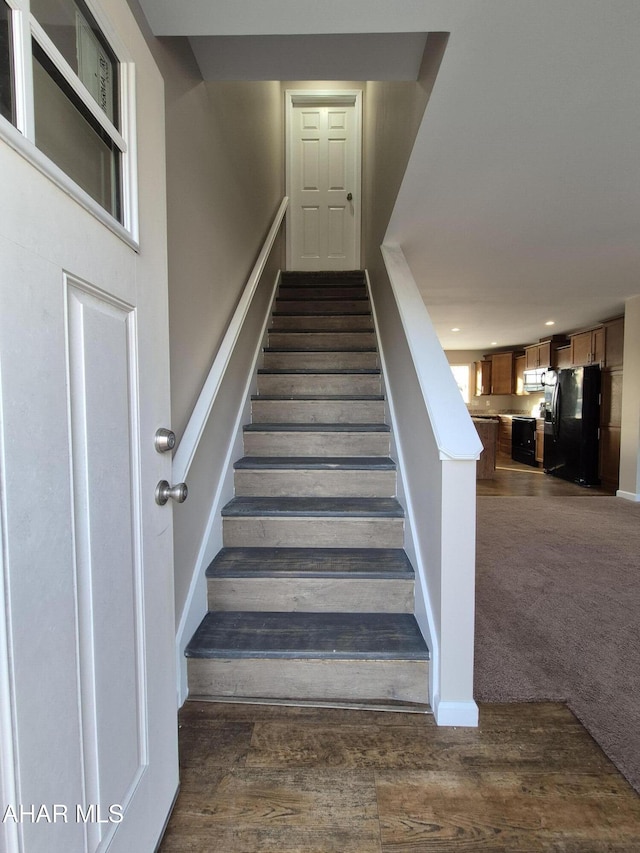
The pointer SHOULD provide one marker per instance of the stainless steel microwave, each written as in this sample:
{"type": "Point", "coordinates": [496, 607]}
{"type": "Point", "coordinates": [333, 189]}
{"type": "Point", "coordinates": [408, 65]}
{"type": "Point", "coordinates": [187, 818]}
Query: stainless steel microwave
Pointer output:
{"type": "Point", "coordinates": [534, 379]}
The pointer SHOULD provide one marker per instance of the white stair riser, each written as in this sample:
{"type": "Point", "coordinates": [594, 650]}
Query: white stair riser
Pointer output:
{"type": "Point", "coordinates": [320, 360]}
{"type": "Point", "coordinates": [327, 341]}
{"type": "Point", "coordinates": [322, 306]}
{"type": "Point", "coordinates": [318, 411]}
{"type": "Point", "coordinates": [294, 384]}
{"type": "Point", "coordinates": [347, 322]}
{"type": "Point", "coordinates": [312, 532]}
{"type": "Point", "coordinates": [313, 483]}
{"type": "Point", "coordinates": [308, 595]}
{"type": "Point", "coordinates": [316, 444]}
{"type": "Point", "coordinates": [356, 680]}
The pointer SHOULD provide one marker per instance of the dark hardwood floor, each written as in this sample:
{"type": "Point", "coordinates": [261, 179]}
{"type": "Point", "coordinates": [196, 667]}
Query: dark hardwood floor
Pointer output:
{"type": "Point", "coordinates": [512, 478]}
{"type": "Point", "coordinates": [283, 779]}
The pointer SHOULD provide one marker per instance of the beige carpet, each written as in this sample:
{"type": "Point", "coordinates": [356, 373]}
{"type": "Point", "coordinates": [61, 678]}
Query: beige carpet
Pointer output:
{"type": "Point", "coordinates": [558, 612]}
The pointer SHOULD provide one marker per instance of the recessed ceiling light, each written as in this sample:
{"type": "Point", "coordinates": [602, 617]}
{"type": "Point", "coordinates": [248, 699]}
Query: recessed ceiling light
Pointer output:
{"type": "Point", "coordinates": [550, 323]}
{"type": "Point", "coordinates": [494, 343]}
{"type": "Point", "coordinates": [456, 329]}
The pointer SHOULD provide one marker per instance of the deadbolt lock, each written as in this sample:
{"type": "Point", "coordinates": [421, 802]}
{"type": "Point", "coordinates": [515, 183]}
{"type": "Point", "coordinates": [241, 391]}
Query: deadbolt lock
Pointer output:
{"type": "Point", "coordinates": [164, 440]}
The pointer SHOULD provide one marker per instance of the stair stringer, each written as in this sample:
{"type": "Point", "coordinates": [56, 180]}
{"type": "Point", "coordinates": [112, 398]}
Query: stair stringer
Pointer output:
{"type": "Point", "coordinates": [423, 611]}
{"type": "Point", "coordinates": [447, 713]}
{"type": "Point", "coordinates": [196, 607]}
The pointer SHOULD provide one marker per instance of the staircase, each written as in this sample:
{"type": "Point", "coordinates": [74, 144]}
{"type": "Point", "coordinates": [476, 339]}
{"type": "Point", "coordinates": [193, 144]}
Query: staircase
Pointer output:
{"type": "Point", "coordinates": [312, 596]}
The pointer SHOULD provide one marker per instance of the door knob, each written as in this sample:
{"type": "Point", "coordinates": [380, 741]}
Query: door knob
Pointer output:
{"type": "Point", "coordinates": [349, 197]}
{"type": "Point", "coordinates": [177, 493]}
{"type": "Point", "coordinates": [164, 439]}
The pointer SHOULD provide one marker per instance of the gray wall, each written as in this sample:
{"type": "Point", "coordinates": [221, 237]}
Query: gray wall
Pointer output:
{"type": "Point", "coordinates": [224, 185]}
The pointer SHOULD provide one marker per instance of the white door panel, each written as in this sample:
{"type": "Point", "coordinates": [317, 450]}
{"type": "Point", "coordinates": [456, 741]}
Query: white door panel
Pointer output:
{"type": "Point", "coordinates": [88, 694]}
{"type": "Point", "coordinates": [323, 168]}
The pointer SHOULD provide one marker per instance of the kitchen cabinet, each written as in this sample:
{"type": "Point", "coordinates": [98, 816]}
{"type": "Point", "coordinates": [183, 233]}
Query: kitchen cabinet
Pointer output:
{"type": "Point", "coordinates": [539, 440]}
{"type": "Point", "coordinates": [613, 343]}
{"type": "Point", "coordinates": [563, 357]}
{"type": "Point", "coordinates": [538, 355]}
{"type": "Point", "coordinates": [502, 373]}
{"type": "Point", "coordinates": [588, 347]}
{"type": "Point", "coordinates": [483, 377]}
{"type": "Point", "coordinates": [487, 429]}
{"type": "Point", "coordinates": [520, 364]}
{"type": "Point", "coordinates": [504, 434]}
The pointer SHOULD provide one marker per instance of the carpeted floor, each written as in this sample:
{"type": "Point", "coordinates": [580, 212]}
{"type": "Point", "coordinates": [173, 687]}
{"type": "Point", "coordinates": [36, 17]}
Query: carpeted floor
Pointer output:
{"type": "Point", "coordinates": [558, 612]}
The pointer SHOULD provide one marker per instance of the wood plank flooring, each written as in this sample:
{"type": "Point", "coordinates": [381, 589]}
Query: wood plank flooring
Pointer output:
{"type": "Point", "coordinates": [307, 780]}
{"type": "Point", "coordinates": [514, 479]}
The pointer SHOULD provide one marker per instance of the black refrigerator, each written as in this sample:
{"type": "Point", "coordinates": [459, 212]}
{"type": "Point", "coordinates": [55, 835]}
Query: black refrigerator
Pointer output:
{"type": "Point", "coordinates": [572, 424]}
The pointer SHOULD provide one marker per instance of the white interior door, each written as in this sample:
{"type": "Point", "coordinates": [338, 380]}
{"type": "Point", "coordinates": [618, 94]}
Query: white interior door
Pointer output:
{"type": "Point", "coordinates": [323, 180]}
{"type": "Point", "coordinates": [87, 673]}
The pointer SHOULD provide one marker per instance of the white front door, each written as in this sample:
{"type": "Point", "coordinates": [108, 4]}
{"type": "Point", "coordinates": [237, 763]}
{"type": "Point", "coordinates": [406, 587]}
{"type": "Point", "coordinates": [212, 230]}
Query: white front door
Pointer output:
{"type": "Point", "coordinates": [87, 674]}
{"type": "Point", "coordinates": [323, 180]}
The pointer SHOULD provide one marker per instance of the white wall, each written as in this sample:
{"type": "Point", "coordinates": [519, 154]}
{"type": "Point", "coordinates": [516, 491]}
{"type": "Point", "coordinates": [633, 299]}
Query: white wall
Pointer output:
{"type": "Point", "coordinates": [630, 435]}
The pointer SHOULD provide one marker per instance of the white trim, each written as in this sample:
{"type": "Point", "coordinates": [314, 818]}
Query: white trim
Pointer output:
{"type": "Point", "coordinates": [193, 611]}
{"type": "Point", "coordinates": [426, 628]}
{"type": "Point", "coordinates": [628, 496]}
{"type": "Point", "coordinates": [454, 432]}
{"type": "Point", "coordinates": [48, 168]}
{"type": "Point", "coordinates": [22, 67]}
{"type": "Point", "coordinates": [456, 713]}
{"type": "Point", "coordinates": [197, 422]}
{"type": "Point", "coordinates": [305, 98]}
{"type": "Point", "coordinates": [326, 97]}
{"type": "Point", "coordinates": [24, 27]}
{"type": "Point", "coordinates": [8, 766]}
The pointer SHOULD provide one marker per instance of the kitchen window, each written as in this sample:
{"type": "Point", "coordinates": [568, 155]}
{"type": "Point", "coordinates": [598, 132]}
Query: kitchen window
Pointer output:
{"type": "Point", "coordinates": [462, 373]}
{"type": "Point", "coordinates": [67, 89]}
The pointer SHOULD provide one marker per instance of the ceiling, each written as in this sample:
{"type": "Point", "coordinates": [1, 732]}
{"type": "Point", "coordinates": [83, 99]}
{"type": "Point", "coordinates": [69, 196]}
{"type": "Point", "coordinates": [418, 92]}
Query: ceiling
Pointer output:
{"type": "Point", "coordinates": [521, 201]}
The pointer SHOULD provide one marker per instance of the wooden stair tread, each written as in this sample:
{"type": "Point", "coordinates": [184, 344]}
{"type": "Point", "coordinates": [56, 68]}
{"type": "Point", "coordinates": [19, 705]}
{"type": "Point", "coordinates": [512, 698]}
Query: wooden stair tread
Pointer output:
{"type": "Point", "coordinates": [321, 371]}
{"type": "Point", "coordinates": [315, 427]}
{"type": "Point", "coordinates": [319, 351]}
{"type": "Point", "coordinates": [325, 636]}
{"type": "Point", "coordinates": [327, 397]}
{"type": "Point", "coordinates": [296, 298]}
{"type": "Point", "coordinates": [327, 331]}
{"type": "Point", "coordinates": [334, 463]}
{"type": "Point", "coordinates": [365, 563]}
{"type": "Point", "coordinates": [297, 507]}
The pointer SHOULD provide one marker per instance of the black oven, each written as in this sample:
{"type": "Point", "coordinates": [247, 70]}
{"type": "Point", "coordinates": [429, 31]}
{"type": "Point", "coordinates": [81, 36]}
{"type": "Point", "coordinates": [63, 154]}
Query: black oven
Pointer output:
{"type": "Point", "coordinates": [523, 441]}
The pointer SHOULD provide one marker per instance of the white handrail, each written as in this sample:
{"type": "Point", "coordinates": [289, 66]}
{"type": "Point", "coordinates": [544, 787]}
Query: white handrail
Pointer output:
{"type": "Point", "coordinates": [188, 446]}
{"type": "Point", "coordinates": [453, 429]}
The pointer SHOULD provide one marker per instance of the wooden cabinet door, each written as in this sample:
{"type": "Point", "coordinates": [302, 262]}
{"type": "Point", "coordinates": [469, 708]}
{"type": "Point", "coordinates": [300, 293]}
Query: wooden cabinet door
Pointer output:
{"type": "Point", "coordinates": [544, 354]}
{"type": "Point", "coordinates": [483, 378]}
{"type": "Point", "coordinates": [598, 346]}
{"type": "Point", "coordinates": [531, 357]}
{"type": "Point", "coordinates": [502, 373]}
{"type": "Point", "coordinates": [581, 348]}
{"type": "Point", "coordinates": [614, 343]}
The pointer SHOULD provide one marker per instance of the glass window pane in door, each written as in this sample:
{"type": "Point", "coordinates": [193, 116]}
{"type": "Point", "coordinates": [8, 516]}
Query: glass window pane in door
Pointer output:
{"type": "Point", "coordinates": [72, 28]}
{"type": "Point", "coordinates": [69, 135]}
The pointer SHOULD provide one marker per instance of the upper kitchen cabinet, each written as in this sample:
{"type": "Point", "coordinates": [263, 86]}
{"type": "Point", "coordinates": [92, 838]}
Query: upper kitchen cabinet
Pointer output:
{"type": "Point", "coordinates": [614, 343]}
{"type": "Point", "coordinates": [503, 373]}
{"type": "Point", "coordinates": [588, 347]}
{"type": "Point", "coordinates": [543, 354]}
{"type": "Point", "coordinates": [538, 355]}
{"type": "Point", "coordinates": [483, 377]}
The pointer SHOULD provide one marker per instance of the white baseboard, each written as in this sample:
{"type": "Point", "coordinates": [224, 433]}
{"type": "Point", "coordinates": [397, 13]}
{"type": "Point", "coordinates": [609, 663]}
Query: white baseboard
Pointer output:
{"type": "Point", "coordinates": [463, 714]}
{"type": "Point", "coordinates": [628, 496]}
